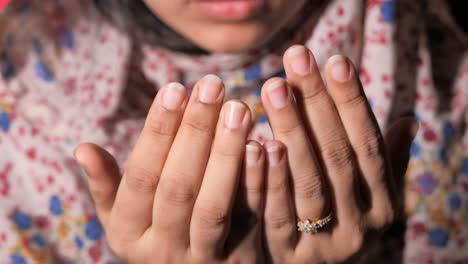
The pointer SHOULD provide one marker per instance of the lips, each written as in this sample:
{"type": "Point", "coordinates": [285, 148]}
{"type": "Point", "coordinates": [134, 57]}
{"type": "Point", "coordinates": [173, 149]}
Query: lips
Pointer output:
{"type": "Point", "coordinates": [229, 10]}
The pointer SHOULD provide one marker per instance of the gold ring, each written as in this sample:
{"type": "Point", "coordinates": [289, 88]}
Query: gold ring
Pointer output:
{"type": "Point", "coordinates": [313, 226]}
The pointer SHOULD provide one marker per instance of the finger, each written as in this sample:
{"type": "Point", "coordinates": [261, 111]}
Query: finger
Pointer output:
{"type": "Point", "coordinates": [326, 130]}
{"type": "Point", "coordinates": [245, 234]}
{"type": "Point", "coordinates": [131, 214]}
{"type": "Point", "coordinates": [247, 218]}
{"type": "Point", "coordinates": [398, 140]}
{"type": "Point", "coordinates": [280, 218]}
{"type": "Point", "coordinates": [103, 177]}
{"type": "Point", "coordinates": [185, 166]}
{"type": "Point", "coordinates": [252, 182]}
{"type": "Point", "coordinates": [288, 128]}
{"type": "Point", "coordinates": [212, 210]}
{"type": "Point", "coordinates": [363, 133]}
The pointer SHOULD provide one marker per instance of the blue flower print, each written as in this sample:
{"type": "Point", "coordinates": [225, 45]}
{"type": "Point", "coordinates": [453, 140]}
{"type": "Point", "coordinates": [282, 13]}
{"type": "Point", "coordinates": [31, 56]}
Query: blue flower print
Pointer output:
{"type": "Point", "coordinates": [454, 201]}
{"type": "Point", "coordinates": [415, 149]}
{"type": "Point", "coordinates": [43, 71]}
{"type": "Point", "coordinates": [448, 130]}
{"type": "Point", "coordinates": [387, 9]}
{"type": "Point", "coordinates": [438, 237]}
{"type": "Point", "coordinates": [94, 230]}
{"type": "Point", "coordinates": [263, 118]}
{"type": "Point", "coordinates": [39, 240]}
{"type": "Point", "coordinates": [253, 73]}
{"type": "Point", "coordinates": [426, 183]}
{"type": "Point", "coordinates": [4, 121]}
{"type": "Point", "coordinates": [67, 39]}
{"type": "Point", "coordinates": [55, 206]}
{"type": "Point", "coordinates": [79, 242]}
{"type": "Point", "coordinates": [22, 221]}
{"type": "Point", "coordinates": [17, 259]}
{"type": "Point", "coordinates": [464, 166]}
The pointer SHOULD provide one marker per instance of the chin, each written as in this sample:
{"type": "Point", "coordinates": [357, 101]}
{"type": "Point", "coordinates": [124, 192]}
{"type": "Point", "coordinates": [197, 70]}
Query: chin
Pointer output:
{"type": "Point", "coordinates": [231, 39]}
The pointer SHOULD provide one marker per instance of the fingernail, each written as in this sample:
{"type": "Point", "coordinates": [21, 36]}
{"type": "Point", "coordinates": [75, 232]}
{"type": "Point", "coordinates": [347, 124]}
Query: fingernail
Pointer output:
{"type": "Point", "coordinates": [234, 114]}
{"type": "Point", "coordinates": [340, 68]}
{"type": "Point", "coordinates": [173, 96]}
{"type": "Point", "coordinates": [252, 154]}
{"type": "Point", "coordinates": [300, 60]}
{"type": "Point", "coordinates": [278, 94]}
{"type": "Point", "coordinates": [274, 155]}
{"type": "Point", "coordinates": [211, 87]}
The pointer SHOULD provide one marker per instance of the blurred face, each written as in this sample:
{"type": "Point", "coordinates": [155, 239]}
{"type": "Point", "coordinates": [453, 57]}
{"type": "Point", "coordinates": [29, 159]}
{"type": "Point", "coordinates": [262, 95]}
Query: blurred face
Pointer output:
{"type": "Point", "coordinates": [226, 25]}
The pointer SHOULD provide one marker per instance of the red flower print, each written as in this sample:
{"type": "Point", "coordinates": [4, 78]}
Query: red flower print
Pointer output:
{"type": "Point", "coordinates": [4, 184]}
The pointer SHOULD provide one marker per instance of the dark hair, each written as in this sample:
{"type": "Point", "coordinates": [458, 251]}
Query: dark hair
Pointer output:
{"type": "Point", "coordinates": [138, 21]}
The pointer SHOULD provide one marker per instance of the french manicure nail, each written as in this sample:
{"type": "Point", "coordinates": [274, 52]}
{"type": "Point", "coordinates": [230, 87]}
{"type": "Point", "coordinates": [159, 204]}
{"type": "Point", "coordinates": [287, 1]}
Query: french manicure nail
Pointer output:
{"type": "Point", "coordinates": [300, 60]}
{"type": "Point", "coordinates": [210, 89]}
{"type": "Point", "coordinates": [274, 155]}
{"type": "Point", "coordinates": [340, 68]}
{"type": "Point", "coordinates": [173, 96]}
{"type": "Point", "coordinates": [252, 154]}
{"type": "Point", "coordinates": [234, 114]}
{"type": "Point", "coordinates": [278, 94]}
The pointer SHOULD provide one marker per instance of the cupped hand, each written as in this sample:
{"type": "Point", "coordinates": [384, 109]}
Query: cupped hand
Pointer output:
{"type": "Point", "coordinates": [184, 182]}
{"type": "Point", "coordinates": [334, 162]}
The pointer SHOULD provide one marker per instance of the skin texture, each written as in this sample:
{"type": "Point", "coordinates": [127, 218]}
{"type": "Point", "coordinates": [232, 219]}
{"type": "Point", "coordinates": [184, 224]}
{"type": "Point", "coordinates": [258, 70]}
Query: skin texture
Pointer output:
{"type": "Point", "coordinates": [231, 36]}
{"type": "Point", "coordinates": [328, 156]}
{"type": "Point", "coordinates": [235, 201]}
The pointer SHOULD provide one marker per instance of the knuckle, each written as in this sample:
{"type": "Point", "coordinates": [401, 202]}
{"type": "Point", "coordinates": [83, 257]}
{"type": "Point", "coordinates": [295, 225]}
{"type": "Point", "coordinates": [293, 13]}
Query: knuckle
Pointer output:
{"type": "Point", "coordinates": [141, 179]}
{"type": "Point", "coordinates": [348, 244]}
{"type": "Point", "coordinates": [254, 189]}
{"type": "Point", "coordinates": [279, 222]}
{"type": "Point", "coordinates": [370, 147]}
{"type": "Point", "coordinates": [118, 246]}
{"type": "Point", "coordinates": [177, 191]}
{"type": "Point", "coordinates": [290, 130]}
{"type": "Point", "coordinates": [212, 215]}
{"type": "Point", "coordinates": [309, 185]}
{"type": "Point", "coordinates": [160, 128]}
{"type": "Point", "coordinates": [313, 96]}
{"type": "Point", "coordinates": [226, 153]}
{"type": "Point", "coordinates": [276, 186]}
{"type": "Point", "coordinates": [337, 153]}
{"type": "Point", "coordinates": [352, 100]}
{"type": "Point", "coordinates": [382, 217]}
{"type": "Point", "coordinates": [197, 126]}
{"type": "Point", "coordinates": [102, 197]}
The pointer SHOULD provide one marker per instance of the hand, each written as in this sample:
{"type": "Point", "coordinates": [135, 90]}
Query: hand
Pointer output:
{"type": "Point", "coordinates": [333, 161]}
{"type": "Point", "coordinates": [174, 203]}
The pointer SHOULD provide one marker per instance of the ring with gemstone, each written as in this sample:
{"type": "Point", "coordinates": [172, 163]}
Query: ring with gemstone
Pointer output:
{"type": "Point", "coordinates": [313, 226]}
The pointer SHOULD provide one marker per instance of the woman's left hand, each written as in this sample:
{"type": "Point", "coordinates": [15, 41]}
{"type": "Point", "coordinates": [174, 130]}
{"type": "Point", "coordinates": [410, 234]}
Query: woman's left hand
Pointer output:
{"type": "Point", "coordinates": [338, 163]}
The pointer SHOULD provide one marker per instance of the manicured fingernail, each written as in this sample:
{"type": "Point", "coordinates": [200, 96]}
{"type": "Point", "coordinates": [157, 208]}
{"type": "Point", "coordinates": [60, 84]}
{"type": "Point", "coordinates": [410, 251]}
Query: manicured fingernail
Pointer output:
{"type": "Point", "coordinates": [278, 94]}
{"type": "Point", "coordinates": [234, 114]}
{"type": "Point", "coordinates": [252, 154]}
{"type": "Point", "coordinates": [211, 87]}
{"type": "Point", "coordinates": [340, 68]}
{"type": "Point", "coordinates": [274, 155]}
{"type": "Point", "coordinates": [300, 60]}
{"type": "Point", "coordinates": [173, 96]}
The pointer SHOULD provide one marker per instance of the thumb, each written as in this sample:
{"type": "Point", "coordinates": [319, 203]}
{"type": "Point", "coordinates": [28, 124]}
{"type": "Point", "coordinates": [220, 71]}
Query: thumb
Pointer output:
{"type": "Point", "coordinates": [398, 140]}
{"type": "Point", "coordinates": [103, 176]}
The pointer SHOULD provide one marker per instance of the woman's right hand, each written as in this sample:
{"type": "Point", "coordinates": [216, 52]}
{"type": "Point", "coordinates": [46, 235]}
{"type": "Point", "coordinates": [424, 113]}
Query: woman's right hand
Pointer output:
{"type": "Point", "coordinates": [174, 203]}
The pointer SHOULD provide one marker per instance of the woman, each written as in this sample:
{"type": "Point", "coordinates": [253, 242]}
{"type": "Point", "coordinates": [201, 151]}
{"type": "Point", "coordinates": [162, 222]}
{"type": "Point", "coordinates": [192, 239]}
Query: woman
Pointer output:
{"type": "Point", "coordinates": [98, 81]}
